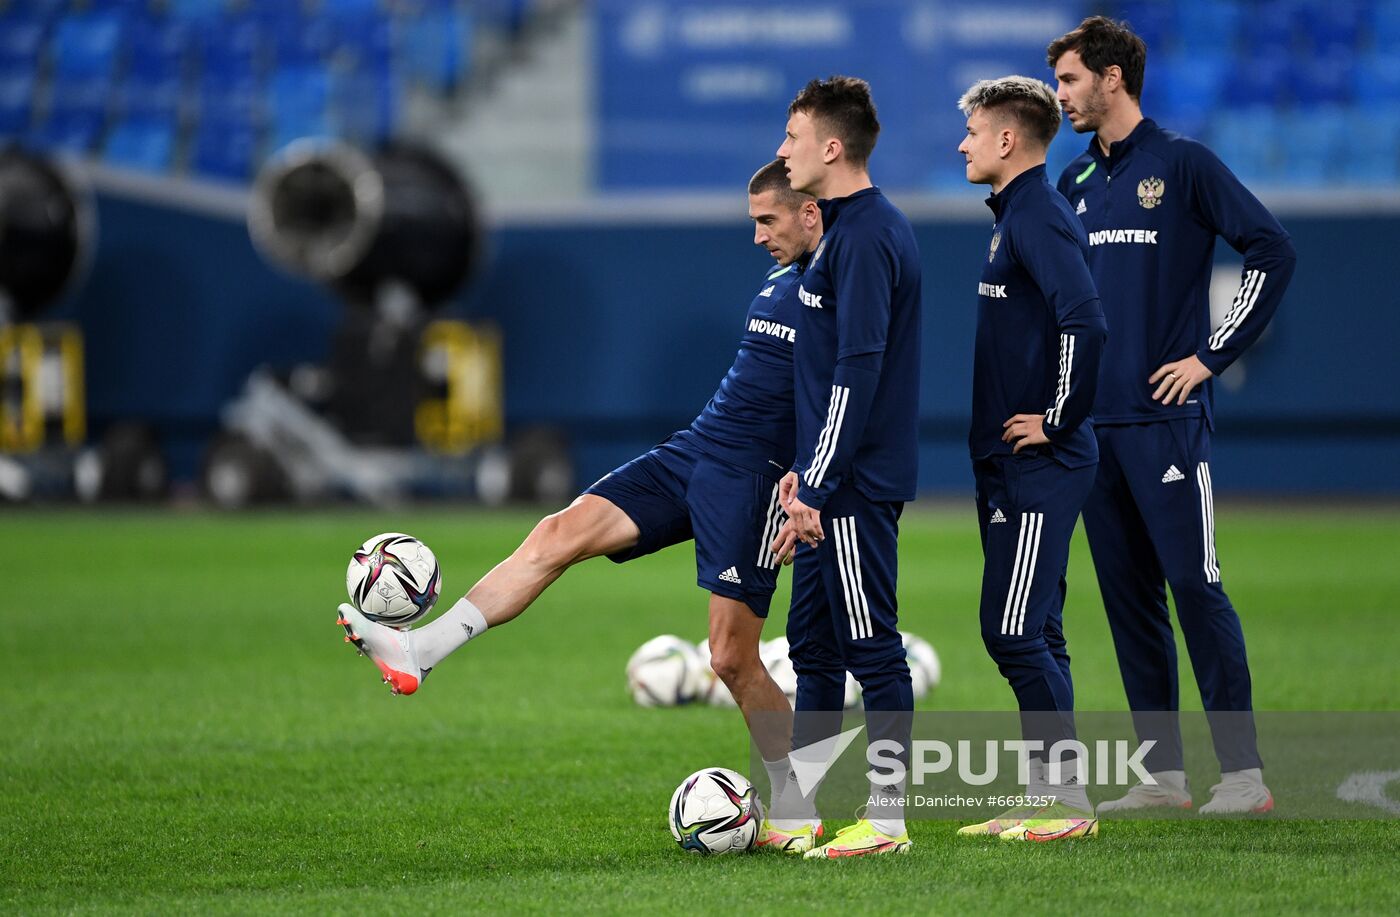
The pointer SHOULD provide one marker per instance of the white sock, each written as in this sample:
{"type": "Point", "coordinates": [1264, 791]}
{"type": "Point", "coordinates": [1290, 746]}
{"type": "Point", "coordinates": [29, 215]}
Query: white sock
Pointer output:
{"type": "Point", "coordinates": [777, 778]}
{"type": "Point", "coordinates": [794, 811]}
{"type": "Point", "coordinates": [885, 811]}
{"type": "Point", "coordinates": [1174, 779]}
{"type": "Point", "coordinates": [1037, 786]}
{"type": "Point", "coordinates": [447, 633]}
{"type": "Point", "coordinates": [1068, 791]}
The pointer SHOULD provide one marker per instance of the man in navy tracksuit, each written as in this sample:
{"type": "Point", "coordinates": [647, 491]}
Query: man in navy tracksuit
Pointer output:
{"type": "Point", "coordinates": [856, 374]}
{"type": "Point", "coordinates": [1040, 331]}
{"type": "Point", "coordinates": [1153, 203]}
{"type": "Point", "coordinates": [714, 483]}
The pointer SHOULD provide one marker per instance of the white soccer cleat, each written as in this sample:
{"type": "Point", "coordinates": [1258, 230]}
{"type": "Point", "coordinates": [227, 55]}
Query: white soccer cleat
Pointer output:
{"type": "Point", "coordinates": [1170, 792]}
{"type": "Point", "coordinates": [387, 647]}
{"type": "Point", "coordinates": [1239, 793]}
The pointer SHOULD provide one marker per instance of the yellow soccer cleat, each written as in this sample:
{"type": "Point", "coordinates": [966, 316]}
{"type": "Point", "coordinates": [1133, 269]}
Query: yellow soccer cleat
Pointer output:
{"type": "Point", "coordinates": [789, 842]}
{"type": "Point", "coordinates": [1007, 820]}
{"type": "Point", "coordinates": [1054, 823]}
{"type": "Point", "coordinates": [860, 839]}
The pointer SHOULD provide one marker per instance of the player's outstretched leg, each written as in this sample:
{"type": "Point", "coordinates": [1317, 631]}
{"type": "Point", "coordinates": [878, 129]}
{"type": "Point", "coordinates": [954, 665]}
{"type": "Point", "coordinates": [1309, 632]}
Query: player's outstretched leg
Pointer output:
{"type": "Point", "coordinates": [589, 527]}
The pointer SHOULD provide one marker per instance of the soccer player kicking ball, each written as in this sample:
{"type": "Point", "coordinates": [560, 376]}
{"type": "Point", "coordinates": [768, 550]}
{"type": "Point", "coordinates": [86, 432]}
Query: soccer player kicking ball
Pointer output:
{"type": "Point", "coordinates": [1153, 203]}
{"type": "Point", "coordinates": [857, 382]}
{"type": "Point", "coordinates": [714, 482]}
{"type": "Point", "coordinates": [1040, 330]}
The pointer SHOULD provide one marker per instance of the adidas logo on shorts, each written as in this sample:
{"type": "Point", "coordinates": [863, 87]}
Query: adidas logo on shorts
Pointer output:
{"type": "Point", "coordinates": [731, 576]}
{"type": "Point", "coordinates": [997, 516]}
{"type": "Point", "coordinates": [1173, 474]}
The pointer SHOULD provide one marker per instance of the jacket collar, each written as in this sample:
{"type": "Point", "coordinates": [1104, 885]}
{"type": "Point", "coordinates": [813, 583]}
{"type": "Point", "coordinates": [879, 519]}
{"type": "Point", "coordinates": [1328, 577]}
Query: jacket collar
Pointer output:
{"type": "Point", "coordinates": [999, 200]}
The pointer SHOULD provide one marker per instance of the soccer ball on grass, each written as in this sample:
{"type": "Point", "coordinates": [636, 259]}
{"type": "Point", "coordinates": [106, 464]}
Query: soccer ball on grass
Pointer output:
{"type": "Point", "coordinates": [715, 810]}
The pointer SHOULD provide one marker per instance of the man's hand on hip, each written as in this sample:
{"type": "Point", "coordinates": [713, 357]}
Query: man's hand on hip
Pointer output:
{"type": "Point", "coordinates": [1178, 379]}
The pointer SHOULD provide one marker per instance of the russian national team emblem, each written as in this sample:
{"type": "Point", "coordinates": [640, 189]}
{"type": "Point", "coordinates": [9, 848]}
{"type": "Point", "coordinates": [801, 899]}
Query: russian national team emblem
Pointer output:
{"type": "Point", "coordinates": [1150, 192]}
{"type": "Point", "coordinates": [996, 241]}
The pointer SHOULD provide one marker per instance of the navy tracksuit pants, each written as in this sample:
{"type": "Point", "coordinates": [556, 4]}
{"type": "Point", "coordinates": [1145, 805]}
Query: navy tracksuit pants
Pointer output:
{"type": "Point", "coordinates": [1027, 506]}
{"type": "Point", "coordinates": [1151, 523]}
{"type": "Point", "coordinates": [844, 616]}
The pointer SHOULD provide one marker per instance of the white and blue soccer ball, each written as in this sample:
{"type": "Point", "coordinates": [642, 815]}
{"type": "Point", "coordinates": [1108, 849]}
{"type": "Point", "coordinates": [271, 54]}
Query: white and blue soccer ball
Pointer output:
{"type": "Point", "coordinates": [715, 810]}
{"type": "Point", "coordinates": [665, 672]}
{"type": "Point", "coordinates": [393, 579]}
{"type": "Point", "coordinates": [924, 668]}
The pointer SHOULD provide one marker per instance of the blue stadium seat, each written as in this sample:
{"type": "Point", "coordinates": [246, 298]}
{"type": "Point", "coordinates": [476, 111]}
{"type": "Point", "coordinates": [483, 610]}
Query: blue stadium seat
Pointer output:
{"type": "Point", "coordinates": [132, 99]}
{"type": "Point", "coordinates": [1332, 26]}
{"type": "Point", "coordinates": [157, 50]}
{"type": "Point", "coordinates": [21, 43]}
{"type": "Point", "coordinates": [1376, 80]}
{"type": "Point", "coordinates": [366, 104]}
{"type": "Point", "coordinates": [144, 144]}
{"type": "Point", "coordinates": [47, 10]}
{"type": "Point", "coordinates": [299, 104]}
{"type": "Point", "coordinates": [1259, 79]}
{"type": "Point", "coordinates": [86, 46]}
{"type": "Point", "coordinates": [224, 151]}
{"type": "Point", "coordinates": [1272, 28]}
{"type": "Point", "coordinates": [1189, 83]}
{"type": "Point", "coordinates": [196, 10]}
{"type": "Point", "coordinates": [1152, 20]}
{"type": "Point", "coordinates": [1385, 26]}
{"type": "Point", "coordinates": [1324, 80]}
{"type": "Point", "coordinates": [362, 41]}
{"type": "Point", "coordinates": [1245, 139]}
{"type": "Point", "coordinates": [1316, 152]}
{"type": "Point", "coordinates": [1208, 26]}
{"type": "Point", "coordinates": [16, 103]}
{"type": "Point", "coordinates": [1375, 161]}
{"type": "Point", "coordinates": [69, 129]}
{"type": "Point", "coordinates": [232, 50]}
{"type": "Point", "coordinates": [437, 47]}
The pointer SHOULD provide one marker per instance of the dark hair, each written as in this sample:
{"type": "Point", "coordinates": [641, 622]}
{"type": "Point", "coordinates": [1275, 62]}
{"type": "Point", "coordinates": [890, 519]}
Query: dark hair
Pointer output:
{"type": "Point", "coordinates": [1029, 101]}
{"type": "Point", "coordinates": [774, 177]}
{"type": "Point", "coordinates": [844, 107]}
{"type": "Point", "coordinates": [1102, 43]}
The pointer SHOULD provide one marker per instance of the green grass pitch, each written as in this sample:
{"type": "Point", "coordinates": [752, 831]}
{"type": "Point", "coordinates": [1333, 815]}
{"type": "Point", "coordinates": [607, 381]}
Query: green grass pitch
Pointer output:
{"type": "Point", "coordinates": [185, 732]}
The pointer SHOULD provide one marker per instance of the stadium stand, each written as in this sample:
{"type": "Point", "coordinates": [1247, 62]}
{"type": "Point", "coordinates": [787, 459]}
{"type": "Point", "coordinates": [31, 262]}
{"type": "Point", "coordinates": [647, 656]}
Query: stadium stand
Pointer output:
{"type": "Point", "coordinates": [211, 87]}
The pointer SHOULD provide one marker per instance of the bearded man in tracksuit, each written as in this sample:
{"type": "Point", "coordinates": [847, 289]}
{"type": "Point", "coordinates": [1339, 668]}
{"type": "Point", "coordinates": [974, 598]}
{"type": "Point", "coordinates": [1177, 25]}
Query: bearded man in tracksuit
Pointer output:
{"type": "Point", "coordinates": [1153, 203]}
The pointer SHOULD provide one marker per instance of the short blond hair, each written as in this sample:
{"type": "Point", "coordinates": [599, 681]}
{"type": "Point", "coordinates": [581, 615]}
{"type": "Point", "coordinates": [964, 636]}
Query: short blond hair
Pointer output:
{"type": "Point", "coordinates": [1029, 101]}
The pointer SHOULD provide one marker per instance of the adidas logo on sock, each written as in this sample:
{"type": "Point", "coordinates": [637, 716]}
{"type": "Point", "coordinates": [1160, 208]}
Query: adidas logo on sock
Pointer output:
{"type": "Point", "coordinates": [997, 516]}
{"type": "Point", "coordinates": [731, 576]}
{"type": "Point", "coordinates": [1173, 474]}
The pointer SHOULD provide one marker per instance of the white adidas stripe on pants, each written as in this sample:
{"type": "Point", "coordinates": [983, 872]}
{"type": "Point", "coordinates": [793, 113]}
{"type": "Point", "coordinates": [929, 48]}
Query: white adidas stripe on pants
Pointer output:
{"type": "Point", "coordinates": [1209, 563]}
{"type": "Point", "coordinates": [1018, 593]}
{"type": "Point", "coordinates": [843, 534]}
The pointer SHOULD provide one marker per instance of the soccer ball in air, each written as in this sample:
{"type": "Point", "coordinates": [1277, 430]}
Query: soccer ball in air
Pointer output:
{"type": "Point", "coordinates": [715, 810]}
{"type": "Point", "coordinates": [664, 672]}
{"type": "Point", "coordinates": [394, 579]}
